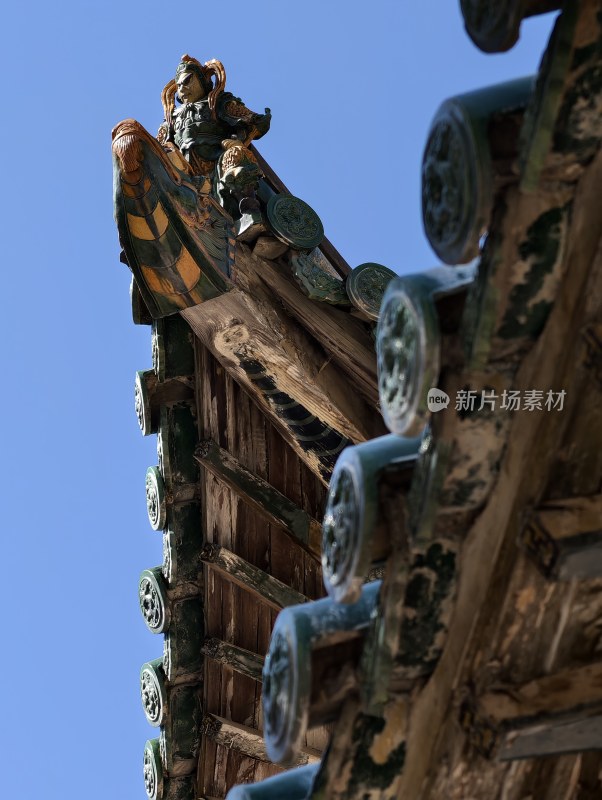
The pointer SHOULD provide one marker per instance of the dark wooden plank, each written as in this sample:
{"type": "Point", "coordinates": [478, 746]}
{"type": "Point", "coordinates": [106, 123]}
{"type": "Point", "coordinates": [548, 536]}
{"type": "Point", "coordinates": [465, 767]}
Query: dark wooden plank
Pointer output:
{"type": "Point", "coordinates": [248, 741]}
{"type": "Point", "coordinates": [264, 498]}
{"type": "Point", "coordinates": [239, 659]}
{"type": "Point", "coordinates": [269, 589]}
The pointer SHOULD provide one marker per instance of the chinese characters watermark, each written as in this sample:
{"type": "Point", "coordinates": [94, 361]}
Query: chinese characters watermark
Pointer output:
{"type": "Point", "coordinates": [489, 400]}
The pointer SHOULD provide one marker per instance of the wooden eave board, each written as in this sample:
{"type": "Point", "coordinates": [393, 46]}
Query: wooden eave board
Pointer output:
{"type": "Point", "coordinates": [228, 416]}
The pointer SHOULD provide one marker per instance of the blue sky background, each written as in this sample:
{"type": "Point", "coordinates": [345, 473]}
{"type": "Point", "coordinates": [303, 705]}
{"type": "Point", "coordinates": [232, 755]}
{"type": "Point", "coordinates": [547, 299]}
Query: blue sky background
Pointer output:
{"type": "Point", "coordinates": [352, 87]}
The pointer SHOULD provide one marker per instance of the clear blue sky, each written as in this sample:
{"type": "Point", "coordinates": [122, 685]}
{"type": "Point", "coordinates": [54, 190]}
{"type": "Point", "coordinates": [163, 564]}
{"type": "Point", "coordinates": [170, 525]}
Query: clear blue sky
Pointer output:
{"type": "Point", "coordinates": [352, 87]}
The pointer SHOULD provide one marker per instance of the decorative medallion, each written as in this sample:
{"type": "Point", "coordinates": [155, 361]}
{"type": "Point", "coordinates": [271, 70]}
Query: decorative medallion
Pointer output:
{"type": "Point", "coordinates": [366, 286]}
{"type": "Point", "coordinates": [155, 499]}
{"type": "Point", "coordinates": [152, 595]}
{"type": "Point", "coordinates": [452, 192]}
{"type": "Point", "coordinates": [312, 275]}
{"type": "Point", "coordinates": [153, 770]}
{"type": "Point", "coordinates": [399, 347]}
{"type": "Point", "coordinates": [294, 222]}
{"type": "Point", "coordinates": [341, 530]}
{"type": "Point", "coordinates": [350, 544]}
{"type": "Point", "coordinates": [279, 693]}
{"type": "Point", "coordinates": [142, 404]}
{"type": "Point", "coordinates": [408, 344]}
{"type": "Point", "coordinates": [152, 692]}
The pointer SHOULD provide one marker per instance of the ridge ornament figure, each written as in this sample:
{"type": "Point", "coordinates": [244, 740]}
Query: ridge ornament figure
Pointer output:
{"type": "Point", "coordinates": [212, 130]}
{"type": "Point", "coordinates": [184, 198]}
{"type": "Point", "coordinates": [181, 199]}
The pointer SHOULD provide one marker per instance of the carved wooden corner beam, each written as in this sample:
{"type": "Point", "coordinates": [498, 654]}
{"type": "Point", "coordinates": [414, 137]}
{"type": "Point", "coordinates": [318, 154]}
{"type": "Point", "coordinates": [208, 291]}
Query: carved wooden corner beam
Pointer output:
{"type": "Point", "coordinates": [345, 339]}
{"type": "Point", "coordinates": [365, 500]}
{"type": "Point", "coordinates": [279, 367]}
{"type": "Point", "coordinates": [248, 741]}
{"type": "Point", "coordinates": [564, 538]}
{"type": "Point", "coordinates": [553, 715]}
{"type": "Point", "coordinates": [310, 668]}
{"type": "Point", "coordinates": [261, 496]}
{"type": "Point", "coordinates": [264, 586]}
{"type": "Point", "coordinates": [294, 784]}
{"type": "Point", "coordinates": [495, 29]}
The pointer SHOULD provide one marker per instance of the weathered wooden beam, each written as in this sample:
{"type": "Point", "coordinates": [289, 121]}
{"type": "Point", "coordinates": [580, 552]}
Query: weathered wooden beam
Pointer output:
{"type": "Point", "coordinates": [310, 668]}
{"type": "Point", "coordinates": [237, 658]}
{"type": "Point", "coordinates": [556, 714]}
{"type": "Point", "coordinates": [248, 741]}
{"type": "Point", "coordinates": [264, 498]}
{"type": "Point", "coordinates": [264, 586]}
{"type": "Point", "coordinates": [294, 784]}
{"type": "Point", "coordinates": [564, 537]}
